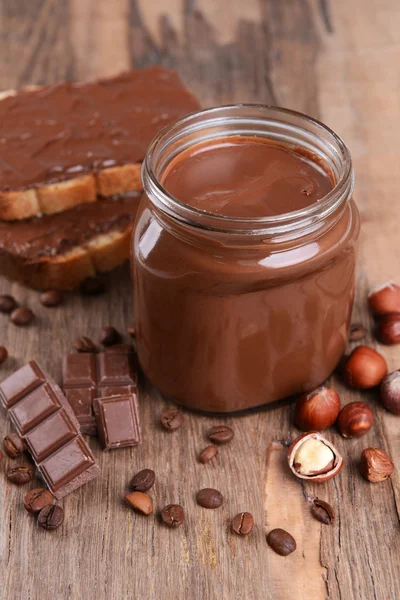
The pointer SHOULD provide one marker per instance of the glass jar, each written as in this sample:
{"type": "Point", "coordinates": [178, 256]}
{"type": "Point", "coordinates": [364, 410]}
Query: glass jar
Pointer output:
{"type": "Point", "coordinates": [233, 313]}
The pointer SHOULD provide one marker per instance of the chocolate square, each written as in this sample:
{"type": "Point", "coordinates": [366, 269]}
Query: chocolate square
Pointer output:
{"type": "Point", "coordinates": [34, 408]}
{"type": "Point", "coordinates": [118, 420]}
{"type": "Point", "coordinates": [79, 370]}
{"type": "Point", "coordinates": [61, 469]}
{"type": "Point", "coordinates": [81, 401]}
{"type": "Point", "coordinates": [12, 389]}
{"type": "Point", "coordinates": [56, 431]}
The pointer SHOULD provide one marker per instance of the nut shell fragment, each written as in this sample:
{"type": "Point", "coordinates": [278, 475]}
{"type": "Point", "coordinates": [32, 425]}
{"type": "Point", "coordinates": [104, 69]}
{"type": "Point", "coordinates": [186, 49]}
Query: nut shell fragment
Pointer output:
{"type": "Point", "coordinates": [331, 467]}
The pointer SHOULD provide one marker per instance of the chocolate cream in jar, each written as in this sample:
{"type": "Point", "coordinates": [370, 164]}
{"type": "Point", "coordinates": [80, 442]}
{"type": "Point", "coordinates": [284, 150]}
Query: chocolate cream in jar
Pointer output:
{"type": "Point", "coordinates": [243, 257]}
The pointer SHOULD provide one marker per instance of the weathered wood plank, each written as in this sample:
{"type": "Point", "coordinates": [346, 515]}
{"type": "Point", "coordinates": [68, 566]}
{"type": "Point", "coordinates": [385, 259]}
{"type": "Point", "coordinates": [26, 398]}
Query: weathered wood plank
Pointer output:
{"type": "Point", "coordinates": [338, 62]}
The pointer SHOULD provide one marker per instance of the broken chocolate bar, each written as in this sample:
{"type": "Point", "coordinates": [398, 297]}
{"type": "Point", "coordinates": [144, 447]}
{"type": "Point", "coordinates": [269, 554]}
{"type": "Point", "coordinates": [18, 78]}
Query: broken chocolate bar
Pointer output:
{"type": "Point", "coordinates": [118, 420]}
{"type": "Point", "coordinates": [89, 376]}
{"type": "Point", "coordinates": [44, 419]}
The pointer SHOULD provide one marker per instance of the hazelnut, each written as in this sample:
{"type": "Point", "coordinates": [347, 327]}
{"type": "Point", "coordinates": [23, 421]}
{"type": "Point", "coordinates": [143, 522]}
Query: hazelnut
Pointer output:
{"type": "Point", "coordinates": [365, 368]}
{"type": "Point", "coordinates": [388, 329]}
{"type": "Point", "coordinates": [355, 419]}
{"type": "Point", "coordinates": [313, 457]}
{"type": "Point", "coordinates": [376, 465]}
{"type": "Point", "coordinates": [390, 392]}
{"type": "Point", "coordinates": [317, 409]}
{"type": "Point", "coordinates": [385, 299]}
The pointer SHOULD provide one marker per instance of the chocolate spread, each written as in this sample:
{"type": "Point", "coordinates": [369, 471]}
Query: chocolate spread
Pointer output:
{"type": "Point", "coordinates": [245, 177]}
{"type": "Point", "coordinates": [50, 235]}
{"type": "Point", "coordinates": [62, 131]}
{"type": "Point", "coordinates": [226, 323]}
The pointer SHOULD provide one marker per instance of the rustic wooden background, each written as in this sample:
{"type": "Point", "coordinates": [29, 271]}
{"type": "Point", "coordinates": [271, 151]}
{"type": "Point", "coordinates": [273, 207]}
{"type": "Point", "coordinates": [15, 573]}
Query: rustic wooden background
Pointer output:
{"type": "Point", "coordinates": [338, 61]}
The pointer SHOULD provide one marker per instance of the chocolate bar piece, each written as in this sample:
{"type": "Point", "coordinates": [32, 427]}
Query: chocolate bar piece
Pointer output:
{"type": "Point", "coordinates": [44, 419]}
{"type": "Point", "coordinates": [118, 420]}
{"type": "Point", "coordinates": [89, 376]}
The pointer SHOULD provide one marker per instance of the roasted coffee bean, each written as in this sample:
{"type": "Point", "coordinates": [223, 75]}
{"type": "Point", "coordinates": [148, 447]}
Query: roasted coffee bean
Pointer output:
{"type": "Point", "coordinates": [52, 298]}
{"type": "Point", "coordinates": [51, 517]}
{"type": "Point", "coordinates": [323, 511]}
{"type": "Point", "coordinates": [243, 523]}
{"type": "Point", "coordinates": [7, 304]}
{"type": "Point", "coordinates": [357, 332]}
{"type": "Point", "coordinates": [208, 454]}
{"type": "Point", "coordinates": [22, 316]}
{"type": "Point", "coordinates": [85, 344]}
{"type": "Point", "coordinates": [140, 502]}
{"type": "Point", "coordinates": [173, 515]}
{"type": "Point", "coordinates": [209, 498]}
{"type": "Point", "coordinates": [13, 445]}
{"type": "Point", "coordinates": [220, 434]}
{"type": "Point", "coordinates": [3, 354]}
{"type": "Point", "coordinates": [20, 474]}
{"type": "Point", "coordinates": [109, 336]}
{"type": "Point", "coordinates": [172, 419]}
{"type": "Point", "coordinates": [143, 481]}
{"type": "Point", "coordinates": [37, 499]}
{"type": "Point", "coordinates": [281, 542]}
{"type": "Point", "coordinates": [92, 286]}
{"type": "Point", "coordinates": [132, 332]}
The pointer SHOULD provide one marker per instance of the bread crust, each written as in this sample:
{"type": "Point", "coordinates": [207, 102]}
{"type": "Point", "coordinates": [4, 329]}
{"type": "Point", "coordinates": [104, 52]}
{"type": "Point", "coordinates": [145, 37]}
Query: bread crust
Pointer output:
{"type": "Point", "coordinates": [66, 271]}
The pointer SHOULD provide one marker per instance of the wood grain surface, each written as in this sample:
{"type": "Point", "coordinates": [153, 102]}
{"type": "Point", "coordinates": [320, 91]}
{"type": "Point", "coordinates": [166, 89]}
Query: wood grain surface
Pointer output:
{"type": "Point", "coordinates": [338, 61]}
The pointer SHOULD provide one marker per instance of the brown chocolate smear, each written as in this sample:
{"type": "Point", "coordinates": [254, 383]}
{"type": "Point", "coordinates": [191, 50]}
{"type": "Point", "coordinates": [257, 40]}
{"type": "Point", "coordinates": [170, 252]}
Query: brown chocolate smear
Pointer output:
{"type": "Point", "coordinates": [50, 235]}
{"type": "Point", "coordinates": [65, 130]}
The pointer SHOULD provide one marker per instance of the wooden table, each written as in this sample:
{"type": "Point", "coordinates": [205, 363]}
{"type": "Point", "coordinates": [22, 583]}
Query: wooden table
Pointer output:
{"type": "Point", "coordinates": [338, 61]}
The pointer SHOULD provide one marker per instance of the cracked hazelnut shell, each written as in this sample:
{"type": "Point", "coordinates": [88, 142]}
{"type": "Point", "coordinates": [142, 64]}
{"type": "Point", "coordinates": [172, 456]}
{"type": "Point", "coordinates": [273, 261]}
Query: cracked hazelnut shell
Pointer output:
{"type": "Point", "coordinates": [317, 409]}
{"type": "Point", "coordinates": [376, 465]}
{"type": "Point", "coordinates": [355, 420]}
{"type": "Point", "coordinates": [331, 465]}
{"type": "Point", "coordinates": [365, 368]}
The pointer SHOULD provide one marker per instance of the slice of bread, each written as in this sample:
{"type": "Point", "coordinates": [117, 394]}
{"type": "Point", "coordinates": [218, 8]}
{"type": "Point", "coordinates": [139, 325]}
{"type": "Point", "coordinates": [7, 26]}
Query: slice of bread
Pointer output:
{"type": "Point", "coordinates": [60, 251]}
{"type": "Point", "coordinates": [72, 143]}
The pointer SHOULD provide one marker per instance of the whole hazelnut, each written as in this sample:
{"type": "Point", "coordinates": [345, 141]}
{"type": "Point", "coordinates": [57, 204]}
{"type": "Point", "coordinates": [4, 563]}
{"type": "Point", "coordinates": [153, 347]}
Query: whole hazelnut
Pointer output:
{"type": "Point", "coordinates": [385, 299]}
{"type": "Point", "coordinates": [311, 456]}
{"type": "Point", "coordinates": [390, 392]}
{"type": "Point", "coordinates": [365, 368]}
{"type": "Point", "coordinates": [355, 419]}
{"type": "Point", "coordinates": [376, 465]}
{"type": "Point", "coordinates": [388, 329]}
{"type": "Point", "coordinates": [317, 410]}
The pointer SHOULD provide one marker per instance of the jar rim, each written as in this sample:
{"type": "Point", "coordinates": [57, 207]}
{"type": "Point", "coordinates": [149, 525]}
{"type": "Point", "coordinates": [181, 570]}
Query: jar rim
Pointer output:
{"type": "Point", "coordinates": [276, 224]}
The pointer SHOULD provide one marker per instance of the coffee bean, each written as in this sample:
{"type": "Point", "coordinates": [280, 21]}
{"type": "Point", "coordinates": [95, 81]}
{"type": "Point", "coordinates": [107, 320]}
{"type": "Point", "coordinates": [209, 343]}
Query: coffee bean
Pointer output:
{"type": "Point", "coordinates": [85, 344]}
{"type": "Point", "coordinates": [20, 474]}
{"type": "Point", "coordinates": [3, 354]}
{"type": "Point", "coordinates": [173, 515]}
{"type": "Point", "coordinates": [37, 499]}
{"type": "Point", "coordinates": [209, 498]}
{"type": "Point", "coordinates": [208, 454]}
{"type": "Point", "coordinates": [220, 434]}
{"type": "Point", "coordinates": [140, 502]}
{"type": "Point", "coordinates": [51, 517]}
{"type": "Point", "coordinates": [52, 298]}
{"type": "Point", "coordinates": [143, 481]}
{"type": "Point", "coordinates": [7, 304]}
{"type": "Point", "coordinates": [323, 511]}
{"type": "Point", "coordinates": [131, 331]}
{"type": "Point", "coordinates": [172, 419]}
{"type": "Point", "coordinates": [22, 316]}
{"type": "Point", "coordinates": [281, 542]}
{"type": "Point", "coordinates": [109, 336]}
{"type": "Point", "coordinates": [13, 445]}
{"type": "Point", "coordinates": [357, 332]}
{"type": "Point", "coordinates": [92, 286]}
{"type": "Point", "coordinates": [243, 523]}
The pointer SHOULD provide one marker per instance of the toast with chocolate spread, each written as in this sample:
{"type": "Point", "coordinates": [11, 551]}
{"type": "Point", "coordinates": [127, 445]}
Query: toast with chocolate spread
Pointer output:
{"type": "Point", "coordinates": [73, 143]}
